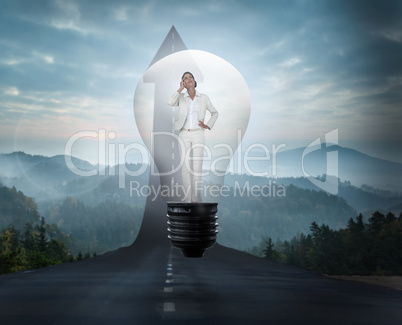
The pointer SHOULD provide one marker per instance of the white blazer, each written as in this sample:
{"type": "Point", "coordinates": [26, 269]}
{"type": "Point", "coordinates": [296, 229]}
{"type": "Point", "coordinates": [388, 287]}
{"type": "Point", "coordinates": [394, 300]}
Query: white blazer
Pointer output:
{"type": "Point", "coordinates": [204, 104]}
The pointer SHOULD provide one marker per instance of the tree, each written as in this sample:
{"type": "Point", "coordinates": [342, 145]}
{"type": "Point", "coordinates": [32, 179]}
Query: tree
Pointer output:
{"type": "Point", "coordinates": [356, 227]}
{"type": "Point", "coordinates": [269, 251]}
{"type": "Point", "coordinates": [364, 249]}
{"type": "Point", "coordinates": [12, 255]}
{"type": "Point", "coordinates": [42, 242]}
{"type": "Point", "coordinates": [376, 221]}
{"type": "Point", "coordinates": [58, 251]}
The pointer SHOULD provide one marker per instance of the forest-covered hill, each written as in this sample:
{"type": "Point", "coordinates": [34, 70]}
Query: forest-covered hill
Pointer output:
{"type": "Point", "coordinates": [90, 229]}
{"type": "Point", "coordinates": [48, 178]}
{"type": "Point", "coordinates": [354, 166]}
{"type": "Point", "coordinates": [371, 248]}
{"type": "Point", "coordinates": [102, 215]}
{"type": "Point", "coordinates": [16, 209]}
{"type": "Point", "coordinates": [26, 240]}
{"type": "Point", "coordinates": [244, 221]}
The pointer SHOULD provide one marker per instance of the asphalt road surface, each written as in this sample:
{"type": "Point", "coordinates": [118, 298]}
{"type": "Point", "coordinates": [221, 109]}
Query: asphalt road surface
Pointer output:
{"type": "Point", "coordinates": [157, 285]}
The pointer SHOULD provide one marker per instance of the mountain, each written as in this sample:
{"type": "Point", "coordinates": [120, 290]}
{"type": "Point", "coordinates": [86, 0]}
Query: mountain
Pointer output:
{"type": "Point", "coordinates": [354, 166]}
{"type": "Point", "coordinates": [363, 198]}
{"type": "Point", "coordinates": [49, 178]}
{"type": "Point", "coordinates": [16, 209]}
{"type": "Point", "coordinates": [244, 221]}
{"type": "Point", "coordinates": [17, 164]}
{"type": "Point", "coordinates": [38, 176]}
{"type": "Point", "coordinates": [89, 207]}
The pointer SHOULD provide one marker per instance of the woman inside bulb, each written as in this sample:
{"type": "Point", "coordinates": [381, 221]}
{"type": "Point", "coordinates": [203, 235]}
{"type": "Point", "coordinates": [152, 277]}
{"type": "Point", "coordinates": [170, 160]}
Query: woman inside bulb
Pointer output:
{"type": "Point", "coordinates": [190, 122]}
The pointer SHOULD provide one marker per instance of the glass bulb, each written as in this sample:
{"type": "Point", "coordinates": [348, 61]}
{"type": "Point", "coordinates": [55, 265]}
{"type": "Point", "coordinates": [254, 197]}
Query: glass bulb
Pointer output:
{"type": "Point", "coordinates": [192, 226]}
{"type": "Point", "coordinates": [229, 94]}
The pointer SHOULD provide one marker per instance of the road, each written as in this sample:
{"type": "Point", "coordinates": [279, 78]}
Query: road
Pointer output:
{"type": "Point", "coordinates": [157, 285]}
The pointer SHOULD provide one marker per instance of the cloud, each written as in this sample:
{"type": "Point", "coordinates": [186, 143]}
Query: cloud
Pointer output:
{"type": "Point", "coordinates": [289, 63]}
{"type": "Point", "coordinates": [77, 63]}
{"type": "Point", "coordinates": [13, 91]}
{"type": "Point", "coordinates": [393, 34]}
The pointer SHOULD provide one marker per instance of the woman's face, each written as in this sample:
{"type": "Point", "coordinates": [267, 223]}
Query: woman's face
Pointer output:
{"type": "Point", "coordinates": [188, 80]}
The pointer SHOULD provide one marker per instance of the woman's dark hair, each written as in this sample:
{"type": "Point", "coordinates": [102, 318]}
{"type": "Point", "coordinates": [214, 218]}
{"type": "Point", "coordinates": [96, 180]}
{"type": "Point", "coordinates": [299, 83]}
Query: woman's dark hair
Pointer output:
{"type": "Point", "coordinates": [195, 84]}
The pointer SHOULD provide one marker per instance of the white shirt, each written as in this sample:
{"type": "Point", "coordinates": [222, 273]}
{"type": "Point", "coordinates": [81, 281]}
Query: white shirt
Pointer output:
{"type": "Point", "coordinates": [192, 113]}
{"type": "Point", "coordinates": [204, 104]}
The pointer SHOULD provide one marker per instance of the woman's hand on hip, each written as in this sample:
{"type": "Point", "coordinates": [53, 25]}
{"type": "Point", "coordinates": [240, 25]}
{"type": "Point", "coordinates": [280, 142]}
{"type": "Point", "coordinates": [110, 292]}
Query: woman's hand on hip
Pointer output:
{"type": "Point", "coordinates": [201, 124]}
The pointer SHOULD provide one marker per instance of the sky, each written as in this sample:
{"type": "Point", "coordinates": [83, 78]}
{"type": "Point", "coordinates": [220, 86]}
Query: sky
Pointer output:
{"type": "Point", "coordinates": [70, 68]}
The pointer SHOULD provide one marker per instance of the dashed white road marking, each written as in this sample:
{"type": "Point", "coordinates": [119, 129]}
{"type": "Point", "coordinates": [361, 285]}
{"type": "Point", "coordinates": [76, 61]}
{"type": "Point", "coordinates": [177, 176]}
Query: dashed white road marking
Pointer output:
{"type": "Point", "coordinates": [169, 307]}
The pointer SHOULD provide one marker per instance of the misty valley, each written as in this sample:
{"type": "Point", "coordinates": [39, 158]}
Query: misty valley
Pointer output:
{"type": "Point", "coordinates": [44, 205]}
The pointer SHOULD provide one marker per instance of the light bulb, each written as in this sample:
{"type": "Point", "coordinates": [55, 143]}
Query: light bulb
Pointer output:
{"type": "Point", "coordinates": [229, 94]}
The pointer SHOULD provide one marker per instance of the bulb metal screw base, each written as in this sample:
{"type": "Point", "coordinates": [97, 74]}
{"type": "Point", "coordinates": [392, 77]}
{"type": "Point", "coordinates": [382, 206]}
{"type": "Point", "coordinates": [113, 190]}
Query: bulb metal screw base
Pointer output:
{"type": "Point", "coordinates": [192, 227]}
